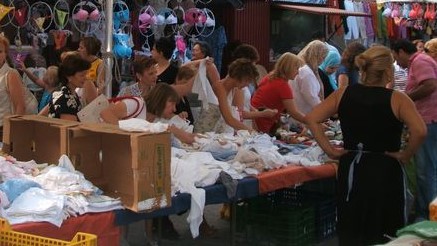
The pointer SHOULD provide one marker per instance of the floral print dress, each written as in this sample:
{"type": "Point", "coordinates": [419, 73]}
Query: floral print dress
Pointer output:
{"type": "Point", "coordinates": [64, 102]}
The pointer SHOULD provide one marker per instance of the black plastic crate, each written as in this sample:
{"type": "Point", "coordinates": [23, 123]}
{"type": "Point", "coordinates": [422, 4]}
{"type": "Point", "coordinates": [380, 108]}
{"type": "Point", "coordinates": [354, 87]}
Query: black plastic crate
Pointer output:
{"type": "Point", "coordinates": [277, 218]}
{"type": "Point", "coordinates": [326, 218]}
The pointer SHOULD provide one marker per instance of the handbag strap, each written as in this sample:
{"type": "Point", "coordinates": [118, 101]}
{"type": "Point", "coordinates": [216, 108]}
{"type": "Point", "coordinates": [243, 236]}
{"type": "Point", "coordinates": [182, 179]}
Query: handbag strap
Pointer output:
{"type": "Point", "coordinates": [138, 109]}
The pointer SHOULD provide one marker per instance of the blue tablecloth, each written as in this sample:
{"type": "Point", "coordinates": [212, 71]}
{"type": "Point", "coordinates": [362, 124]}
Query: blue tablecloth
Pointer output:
{"type": "Point", "coordinates": [215, 194]}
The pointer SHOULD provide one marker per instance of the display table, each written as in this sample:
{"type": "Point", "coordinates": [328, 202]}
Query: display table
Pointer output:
{"type": "Point", "coordinates": [291, 175]}
{"type": "Point", "coordinates": [247, 188]}
{"type": "Point", "coordinates": [100, 224]}
{"type": "Point", "coordinates": [214, 194]}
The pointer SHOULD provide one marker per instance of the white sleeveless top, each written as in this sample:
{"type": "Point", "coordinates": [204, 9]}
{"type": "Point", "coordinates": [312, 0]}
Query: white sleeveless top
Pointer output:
{"type": "Point", "coordinates": [5, 100]}
{"type": "Point", "coordinates": [221, 126]}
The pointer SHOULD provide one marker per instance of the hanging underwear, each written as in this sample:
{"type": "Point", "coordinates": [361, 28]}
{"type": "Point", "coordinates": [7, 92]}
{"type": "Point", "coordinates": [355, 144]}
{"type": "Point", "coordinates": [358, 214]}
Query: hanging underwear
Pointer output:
{"type": "Point", "coordinates": [83, 15]}
{"type": "Point", "coordinates": [59, 37]}
{"type": "Point", "coordinates": [61, 18]}
{"type": "Point", "coordinates": [20, 16]}
{"type": "Point", "coordinates": [120, 16]}
{"type": "Point", "coordinates": [4, 10]}
{"type": "Point", "coordinates": [40, 23]}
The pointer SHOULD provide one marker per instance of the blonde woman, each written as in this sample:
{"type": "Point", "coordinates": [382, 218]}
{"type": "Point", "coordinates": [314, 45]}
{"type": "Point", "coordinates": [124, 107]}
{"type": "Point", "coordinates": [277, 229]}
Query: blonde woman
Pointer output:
{"type": "Point", "coordinates": [274, 92]}
{"type": "Point", "coordinates": [370, 178]}
{"type": "Point", "coordinates": [430, 48]}
{"type": "Point", "coordinates": [12, 90]}
{"type": "Point", "coordinates": [308, 87]}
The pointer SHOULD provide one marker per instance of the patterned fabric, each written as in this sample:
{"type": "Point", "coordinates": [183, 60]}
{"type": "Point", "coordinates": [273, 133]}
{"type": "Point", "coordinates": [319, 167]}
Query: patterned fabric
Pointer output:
{"type": "Point", "coordinates": [131, 90]}
{"type": "Point", "coordinates": [64, 102]}
{"type": "Point", "coordinates": [208, 119]}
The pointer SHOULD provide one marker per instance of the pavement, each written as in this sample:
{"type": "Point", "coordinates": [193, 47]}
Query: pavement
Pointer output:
{"type": "Point", "coordinates": [135, 235]}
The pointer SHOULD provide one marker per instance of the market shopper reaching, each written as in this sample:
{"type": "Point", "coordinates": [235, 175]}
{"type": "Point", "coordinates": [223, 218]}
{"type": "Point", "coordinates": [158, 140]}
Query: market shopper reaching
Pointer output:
{"type": "Point", "coordinates": [240, 74]}
{"type": "Point", "coordinates": [371, 191]}
{"type": "Point", "coordinates": [422, 89]}
{"type": "Point", "coordinates": [274, 92]}
{"type": "Point", "coordinates": [65, 103]}
{"type": "Point", "coordinates": [249, 113]}
{"type": "Point", "coordinates": [308, 87]}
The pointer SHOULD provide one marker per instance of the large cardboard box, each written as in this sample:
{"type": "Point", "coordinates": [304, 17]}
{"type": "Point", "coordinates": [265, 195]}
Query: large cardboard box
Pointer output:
{"type": "Point", "coordinates": [33, 137]}
{"type": "Point", "coordinates": [132, 166]}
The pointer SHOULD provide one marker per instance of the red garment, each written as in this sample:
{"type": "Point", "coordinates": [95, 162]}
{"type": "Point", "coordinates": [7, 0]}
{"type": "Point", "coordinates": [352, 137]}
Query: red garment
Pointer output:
{"type": "Point", "coordinates": [270, 94]}
{"type": "Point", "coordinates": [335, 21]}
{"type": "Point", "coordinates": [374, 12]}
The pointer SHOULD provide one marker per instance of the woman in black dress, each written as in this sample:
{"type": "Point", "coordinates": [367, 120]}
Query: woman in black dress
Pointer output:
{"type": "Point", "coordinates": [167, 72]}
{"type": "Point", "coordinates": [371, 192]}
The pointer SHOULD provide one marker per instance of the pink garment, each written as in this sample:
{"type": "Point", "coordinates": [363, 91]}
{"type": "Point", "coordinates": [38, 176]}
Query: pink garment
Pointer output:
{"type": "Point", "coordinates": [368, 21]}
{"type": "Point", "coordinates": [422, 67]}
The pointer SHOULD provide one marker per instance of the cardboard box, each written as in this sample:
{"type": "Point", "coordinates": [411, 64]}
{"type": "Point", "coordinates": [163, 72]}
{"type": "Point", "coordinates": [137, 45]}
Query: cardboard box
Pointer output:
{"type": "Point", "coordinates": [33, 137]}
{"type": "Point", "coordinates": [132, 166]}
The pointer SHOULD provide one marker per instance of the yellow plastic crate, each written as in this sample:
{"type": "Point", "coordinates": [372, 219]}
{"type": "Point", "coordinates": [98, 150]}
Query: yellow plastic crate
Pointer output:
{"type": "Point", "coordinates": [8, 237]}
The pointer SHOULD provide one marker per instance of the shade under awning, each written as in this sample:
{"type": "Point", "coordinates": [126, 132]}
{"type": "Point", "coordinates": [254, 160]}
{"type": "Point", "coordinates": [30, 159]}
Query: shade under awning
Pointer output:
{"type": "Point", "coordinates": [320, 10]}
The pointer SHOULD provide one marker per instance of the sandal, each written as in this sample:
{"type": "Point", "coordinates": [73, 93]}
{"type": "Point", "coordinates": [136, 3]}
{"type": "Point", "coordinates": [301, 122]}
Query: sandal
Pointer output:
{"type": "Point", "coordinates": [206, 230]}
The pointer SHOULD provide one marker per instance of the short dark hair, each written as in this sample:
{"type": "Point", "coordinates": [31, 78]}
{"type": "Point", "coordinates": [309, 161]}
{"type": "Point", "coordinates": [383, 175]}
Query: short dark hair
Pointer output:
{"type": "Point", "coordinates": [204, 47]}
{"type": "Point", "coordinates": [166, 46]}
{"type": "Point", "coordinates": [246, 51]}
{"type": "Point", "coordinates": [405, 45]}
{"type": "Point", "coordinates": [92, 45]}
{"type": "Point", "coordinates": [141, 63]}
{"type": "Point", "coordinates": [243, 68]}
{"type": "Point", "coordinates": [71, 65]}
{"type": "Point", "coordinates": [352, 50]}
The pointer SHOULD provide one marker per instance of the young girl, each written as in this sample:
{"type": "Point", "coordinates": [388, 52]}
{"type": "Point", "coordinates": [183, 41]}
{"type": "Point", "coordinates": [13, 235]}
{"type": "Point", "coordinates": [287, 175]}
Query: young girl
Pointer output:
{"type": "Point", "coordinates": [184, 84]}
{"type": "Point", "coordinates": [49, 83]}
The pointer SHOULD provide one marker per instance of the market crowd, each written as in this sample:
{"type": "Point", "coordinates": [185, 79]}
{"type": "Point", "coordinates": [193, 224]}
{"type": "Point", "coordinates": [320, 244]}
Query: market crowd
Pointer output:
{"type": "Point", "coordinates": [377, 94]}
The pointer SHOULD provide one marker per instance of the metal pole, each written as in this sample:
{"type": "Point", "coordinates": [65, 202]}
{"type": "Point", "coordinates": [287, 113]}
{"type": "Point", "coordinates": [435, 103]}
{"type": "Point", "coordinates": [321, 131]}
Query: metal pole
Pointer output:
{"type": "Point", "coordinates": [108, 47]}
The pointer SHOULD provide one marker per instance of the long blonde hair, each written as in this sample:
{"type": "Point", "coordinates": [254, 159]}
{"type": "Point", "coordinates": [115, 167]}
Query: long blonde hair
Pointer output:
{"type": "Point", "coordinates": [313, 53]}
{"type": "Point", "coordinates": [376, 66]}
{"type": "Point", "coordinates": [430, 48]}
{"type": "Point", "coordinates": [285, 66]}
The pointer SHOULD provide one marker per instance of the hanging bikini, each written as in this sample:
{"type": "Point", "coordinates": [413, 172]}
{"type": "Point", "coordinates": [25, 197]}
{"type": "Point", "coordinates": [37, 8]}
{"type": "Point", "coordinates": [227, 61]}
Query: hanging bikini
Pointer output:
{"type": "Point", "coordinates": [147, 26]}
{"type": "Point", "coordinates": [20, 18]}
{"type": "Point", "coordinates": [86, 17]}
{"type": "Point", "coordinates": [41, 19]}
{"type": "Point", "coordinates": [166, 22]}
{"type": "Point", "coordinates": [122, 41]}
{"type": "Point", "coordinates": [4, 10]}
{"type": "Point", "coordinates": [62, 13]}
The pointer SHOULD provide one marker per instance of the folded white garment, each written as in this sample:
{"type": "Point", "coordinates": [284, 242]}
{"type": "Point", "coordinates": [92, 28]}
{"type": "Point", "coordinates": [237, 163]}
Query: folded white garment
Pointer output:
{"type": "Point", "coordinates": [139, 125]}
